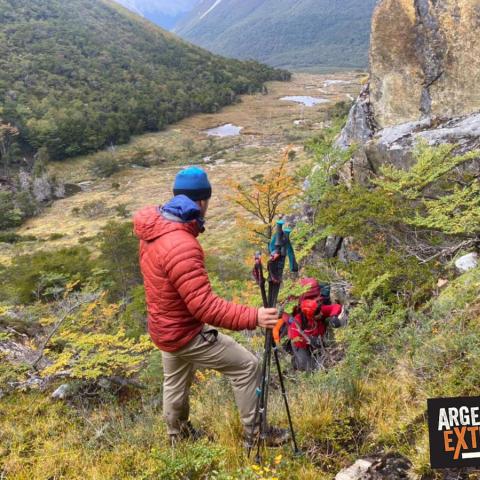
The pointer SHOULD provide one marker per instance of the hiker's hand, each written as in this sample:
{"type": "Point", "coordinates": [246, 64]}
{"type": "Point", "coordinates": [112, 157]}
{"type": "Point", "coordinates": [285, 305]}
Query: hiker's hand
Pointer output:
{"type": "Point", "coordinates": [267, 317]}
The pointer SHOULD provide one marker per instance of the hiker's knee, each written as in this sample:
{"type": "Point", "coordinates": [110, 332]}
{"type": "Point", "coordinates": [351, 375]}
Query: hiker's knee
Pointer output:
{"type": "Point", "coordinates": [254, 364]}
{"type": "Point", "coordinates": [251, 366]}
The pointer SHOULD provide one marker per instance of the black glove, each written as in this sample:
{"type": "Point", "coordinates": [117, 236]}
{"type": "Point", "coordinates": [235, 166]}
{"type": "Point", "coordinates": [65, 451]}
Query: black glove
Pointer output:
{"type": "Point", "coordinates": [335, 322]}
{"type": "Point", "coordinates": [338, 321]}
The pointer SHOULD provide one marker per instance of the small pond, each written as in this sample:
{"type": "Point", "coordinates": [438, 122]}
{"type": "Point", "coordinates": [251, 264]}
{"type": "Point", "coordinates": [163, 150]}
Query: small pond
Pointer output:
{"type": "Point", "coordinates": [305, 100]}
{"type": "Point", "coordinates": [228, 130]}
{"type": "Point", "coordinates": [328, 83]}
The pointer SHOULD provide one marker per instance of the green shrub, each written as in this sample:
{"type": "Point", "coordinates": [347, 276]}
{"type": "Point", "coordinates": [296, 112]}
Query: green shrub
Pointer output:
{"type": "Point", "coordinates": [447, 198]}
{"type": "Point", "coordinates": [56, 236]}
{"type": "Point", "coordinates": [10, 237]}
{"type": "Point", "coordinates": [340, 110]}
{"type": "Point", "coordinates": [10, 215]}
{"type": "Point", "coordinates": [104, 165]}
{"type": "Point", "coordinates": [152, 375]}
{"type": "Point", "coordinates": [444, 339]}
{"type": "Point", "coordinates": [10, 372]}
{"type": "Point", "coordinates": [119, 258]}
{"type": "Point", "coordinates": [44, 275]}
{"type": "Point", "coordinates": [122, 210]}
{"type": "Point", "coordinates": [91, 210]}
{"type": "Point", "coordinates": [27, 204]}
{"type": "Point", "coordinates": [134, 318]}
{"type": "Point", "coordinates": [194, 461]}
{"type": "Point", "coordinates": [392, 276]}
{"type": "Point", "coordinates": [372, 335]}
{"type": "Point", "coordinates": [398, 229]}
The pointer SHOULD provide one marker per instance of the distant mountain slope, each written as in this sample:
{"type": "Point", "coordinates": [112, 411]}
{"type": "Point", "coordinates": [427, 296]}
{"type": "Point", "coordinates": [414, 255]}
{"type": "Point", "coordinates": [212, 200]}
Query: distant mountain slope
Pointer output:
{"type": "Point", "coordinates": [79, 75]}
{"type": "Point", "coordinates": [165, 13]}
{"type": "Point", "coordinates": [285, 33]}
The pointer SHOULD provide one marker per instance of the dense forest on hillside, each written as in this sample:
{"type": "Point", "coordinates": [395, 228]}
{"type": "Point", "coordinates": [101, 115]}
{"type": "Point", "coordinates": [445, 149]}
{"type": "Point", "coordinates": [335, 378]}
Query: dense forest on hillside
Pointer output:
{"type": "Point", "coordinates": [301, 35]}
{"type": "Point", "coordinates": [80, 75]}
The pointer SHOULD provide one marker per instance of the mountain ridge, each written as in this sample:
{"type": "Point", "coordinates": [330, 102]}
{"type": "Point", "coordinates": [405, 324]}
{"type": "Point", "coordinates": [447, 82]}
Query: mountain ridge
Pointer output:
{"type": "Point", "coordinates": [297, 34]}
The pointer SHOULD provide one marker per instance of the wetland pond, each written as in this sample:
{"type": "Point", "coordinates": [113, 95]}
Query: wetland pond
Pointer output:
{"type": "Point", "coordinates": [227, 130]}
{"type": "Point", "coordinates": [305, 100]}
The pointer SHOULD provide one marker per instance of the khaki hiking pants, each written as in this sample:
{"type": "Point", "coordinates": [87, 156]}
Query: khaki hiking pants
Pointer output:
{"type": "Point", "coordinates": [221, 353]}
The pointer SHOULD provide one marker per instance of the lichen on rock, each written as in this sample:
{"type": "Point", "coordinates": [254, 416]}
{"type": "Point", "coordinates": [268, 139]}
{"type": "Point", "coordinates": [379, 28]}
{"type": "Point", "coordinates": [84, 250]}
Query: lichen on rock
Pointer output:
{"type": "Point", "coordinates": [424, 84]}
{"type": "Point", "coordinates": [424, 59]}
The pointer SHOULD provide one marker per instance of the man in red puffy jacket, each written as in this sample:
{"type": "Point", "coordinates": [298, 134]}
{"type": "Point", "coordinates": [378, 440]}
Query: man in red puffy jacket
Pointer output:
{"type": "Point", "coordinates": [182, 309]}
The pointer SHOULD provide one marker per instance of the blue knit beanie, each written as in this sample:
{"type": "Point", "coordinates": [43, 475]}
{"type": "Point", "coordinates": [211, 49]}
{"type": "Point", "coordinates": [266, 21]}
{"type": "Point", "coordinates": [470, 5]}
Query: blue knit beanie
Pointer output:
{"type": "Point", "coordinates": [193, 183]}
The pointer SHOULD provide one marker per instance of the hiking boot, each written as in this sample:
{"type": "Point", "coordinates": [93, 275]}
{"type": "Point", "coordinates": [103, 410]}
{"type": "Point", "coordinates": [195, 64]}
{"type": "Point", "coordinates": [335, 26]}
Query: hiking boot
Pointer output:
{"type": "Point", "coordinates": [274, 437]}
{"type": "Point", "coordinates": [187, 432]}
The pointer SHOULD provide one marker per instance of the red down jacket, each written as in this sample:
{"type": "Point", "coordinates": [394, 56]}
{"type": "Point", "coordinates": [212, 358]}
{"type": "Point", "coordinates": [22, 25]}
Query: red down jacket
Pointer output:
{"type": "Point", "coordinates": [316, 327]}
{"type": "Point", "coordinates": [179, 296]}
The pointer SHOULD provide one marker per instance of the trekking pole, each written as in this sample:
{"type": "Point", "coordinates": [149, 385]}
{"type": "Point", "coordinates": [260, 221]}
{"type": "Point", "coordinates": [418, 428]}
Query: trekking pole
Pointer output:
{"type": "Point", "coordinates": [296, 450]}
{"type": "Point", "coordinates": [260, 391]}
{"type": "Point", "coordinates": [284, 247]}
{"type": "Point", "coordinates": [280, 248]}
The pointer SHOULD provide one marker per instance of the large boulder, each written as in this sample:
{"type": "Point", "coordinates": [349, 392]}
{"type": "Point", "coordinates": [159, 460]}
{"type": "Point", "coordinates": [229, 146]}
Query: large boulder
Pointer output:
{"type": "Point", "coordinates": [424, 85]}
{"type": "Point", "coordinates": [389, 466]}
{"type": "Point", "coordinates": [424, 60]}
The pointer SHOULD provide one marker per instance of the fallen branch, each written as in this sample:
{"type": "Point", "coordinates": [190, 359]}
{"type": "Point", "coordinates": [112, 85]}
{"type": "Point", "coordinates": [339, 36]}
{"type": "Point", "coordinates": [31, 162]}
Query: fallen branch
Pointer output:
{"type": "Point", "coordinates": [451, 250]}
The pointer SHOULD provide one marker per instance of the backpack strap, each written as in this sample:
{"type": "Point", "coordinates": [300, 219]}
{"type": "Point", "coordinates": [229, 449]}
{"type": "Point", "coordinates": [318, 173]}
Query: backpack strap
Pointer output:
{"type": "Point", "coordinates": [302, 333]}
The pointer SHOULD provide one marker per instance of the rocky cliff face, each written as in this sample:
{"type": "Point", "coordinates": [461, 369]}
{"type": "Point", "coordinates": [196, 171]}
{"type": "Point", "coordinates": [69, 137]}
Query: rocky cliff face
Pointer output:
{"type": "Point", "coordinates": [424, 83]}
{"type": "Point", "coordinates": [425, 59]}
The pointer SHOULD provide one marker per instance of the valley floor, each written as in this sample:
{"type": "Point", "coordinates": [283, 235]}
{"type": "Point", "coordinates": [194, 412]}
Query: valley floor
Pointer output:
{"type": "Point", "coordinates": [268, 123]}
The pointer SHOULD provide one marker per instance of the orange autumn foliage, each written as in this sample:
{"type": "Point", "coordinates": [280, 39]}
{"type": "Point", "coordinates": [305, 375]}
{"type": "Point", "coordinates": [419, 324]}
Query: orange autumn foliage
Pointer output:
{"type": "Point", "coordinates": [267, 198]}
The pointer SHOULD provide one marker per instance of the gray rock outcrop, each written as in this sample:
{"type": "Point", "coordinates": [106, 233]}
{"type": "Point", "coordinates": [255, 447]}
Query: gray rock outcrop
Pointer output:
{"type": "Point", "coordinates": [424, 84]}
{"type": "Point", "coordinates": [389, 466]}
{"type": "Point", "coordinates": [467, 262]}
{"type": "Point", "coordinates": [424, 60]}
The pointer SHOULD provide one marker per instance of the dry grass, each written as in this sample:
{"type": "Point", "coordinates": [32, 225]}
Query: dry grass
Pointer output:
{"type": "Point", "coordinates": [268, 128]}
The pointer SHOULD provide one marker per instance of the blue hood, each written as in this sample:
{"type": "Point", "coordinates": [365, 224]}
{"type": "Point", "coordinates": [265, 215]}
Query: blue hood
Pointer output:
{"type": "Point", "coordinates": [184, 209]}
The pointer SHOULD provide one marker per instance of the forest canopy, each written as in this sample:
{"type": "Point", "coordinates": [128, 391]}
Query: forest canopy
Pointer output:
{"type": "Point", "coordinates": [80, 75]}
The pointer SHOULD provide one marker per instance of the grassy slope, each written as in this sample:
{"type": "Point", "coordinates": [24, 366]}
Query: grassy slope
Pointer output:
{"type": "Point", "coordinates": [297, 35]}
{"type": "Point", "coordinates": [338, 419]}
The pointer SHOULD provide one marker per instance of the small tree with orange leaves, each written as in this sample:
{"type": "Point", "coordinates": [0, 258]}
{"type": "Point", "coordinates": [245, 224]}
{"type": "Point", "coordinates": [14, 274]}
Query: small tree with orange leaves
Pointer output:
{"type": "Point", "coordinates": [265, 199]}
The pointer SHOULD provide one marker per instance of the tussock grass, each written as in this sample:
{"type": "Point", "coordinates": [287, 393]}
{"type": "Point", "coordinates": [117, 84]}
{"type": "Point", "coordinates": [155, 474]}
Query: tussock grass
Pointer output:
{"type": "Point", "coordinates": [339, 415]}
